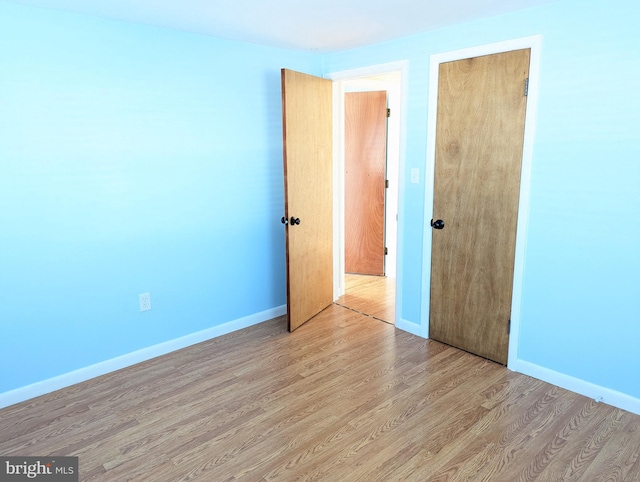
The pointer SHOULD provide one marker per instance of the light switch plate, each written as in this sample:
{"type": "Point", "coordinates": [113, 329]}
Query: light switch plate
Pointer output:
{"type": "Point", "coordinates": [415, 175]}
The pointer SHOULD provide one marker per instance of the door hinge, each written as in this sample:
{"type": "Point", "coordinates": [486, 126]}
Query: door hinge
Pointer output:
{"type": "Point", "coordinates": [386, 251]}
{"type": "Point", "coordinates": [388, 112]}
{"type": "Point", "coordinates": [386, 183]}
{"type": "Point", "coordinates": [509, 328]}
{"type": "Point", "coordinates": [526, 87]}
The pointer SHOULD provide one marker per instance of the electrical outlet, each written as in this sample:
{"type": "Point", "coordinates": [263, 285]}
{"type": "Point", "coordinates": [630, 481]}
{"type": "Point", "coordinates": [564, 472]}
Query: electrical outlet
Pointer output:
{"type": "Point", "coordinates": [145, 301]}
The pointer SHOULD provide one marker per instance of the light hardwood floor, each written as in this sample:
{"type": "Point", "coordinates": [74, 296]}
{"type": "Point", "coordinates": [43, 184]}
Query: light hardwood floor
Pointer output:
{"type": "Point", "coordinates": [344, 398]}
{"type": "Point", "coordinates": [370, 295]}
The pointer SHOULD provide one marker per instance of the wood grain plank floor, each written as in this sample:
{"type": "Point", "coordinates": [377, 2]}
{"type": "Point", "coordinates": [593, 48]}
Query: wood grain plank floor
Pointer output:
{"type": "Point", "coordinates": [344, 398]}
{"type": "Point", "coordinates": [370, 295]}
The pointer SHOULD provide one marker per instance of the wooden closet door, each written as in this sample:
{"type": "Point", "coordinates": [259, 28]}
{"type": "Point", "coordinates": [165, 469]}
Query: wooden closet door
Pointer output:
{"type": "Point", "coordinates": [479, 141]}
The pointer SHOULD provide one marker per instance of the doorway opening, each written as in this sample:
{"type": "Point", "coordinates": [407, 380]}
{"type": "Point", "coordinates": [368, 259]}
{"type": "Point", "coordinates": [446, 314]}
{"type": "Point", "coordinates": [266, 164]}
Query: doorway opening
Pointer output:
{"type": "Point", "coordinates": [376, 296]}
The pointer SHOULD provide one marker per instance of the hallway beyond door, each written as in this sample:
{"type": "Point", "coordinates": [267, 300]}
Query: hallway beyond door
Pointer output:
{"type": "Point", "coordinates": [371, 295]}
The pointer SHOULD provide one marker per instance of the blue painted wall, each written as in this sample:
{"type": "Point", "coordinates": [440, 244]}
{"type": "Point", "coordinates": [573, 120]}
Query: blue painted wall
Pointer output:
{"type": "Point", "coordinates": [581, 296]}
{"type": "Point", "coordinates": [132, 159]}
{"type": "Point", "coordinates": [140, 159]}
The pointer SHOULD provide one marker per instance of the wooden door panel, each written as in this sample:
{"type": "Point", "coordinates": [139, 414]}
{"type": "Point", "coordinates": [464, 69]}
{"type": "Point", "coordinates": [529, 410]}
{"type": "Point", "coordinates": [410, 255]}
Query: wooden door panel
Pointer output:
{"type": "Point", "coordinates": [479, 140]}
{"type": "Point", "coordinates": [365, 171]}
{"type": "Point", "coordinates": [307, 144]}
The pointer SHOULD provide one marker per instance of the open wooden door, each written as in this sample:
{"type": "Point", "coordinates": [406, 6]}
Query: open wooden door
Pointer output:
{"type": "Point", "coordinates": [365, 174]}
{"type": "Point", "coordinates": [479, 139]}
{"type": "Point", "coordinates": [308, 178]}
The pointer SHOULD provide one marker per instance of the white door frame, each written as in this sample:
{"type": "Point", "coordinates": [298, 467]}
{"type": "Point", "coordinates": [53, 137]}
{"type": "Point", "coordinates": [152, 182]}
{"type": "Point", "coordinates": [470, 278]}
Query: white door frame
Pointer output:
{"type": "Point", "coordinates": [534, 43]}
{"type": "Point", "coordinates": [339, 79]}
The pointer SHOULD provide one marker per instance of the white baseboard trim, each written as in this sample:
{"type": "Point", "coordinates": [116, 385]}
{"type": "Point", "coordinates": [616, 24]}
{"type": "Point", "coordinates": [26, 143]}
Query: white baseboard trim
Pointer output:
{"type": "Point", "coordinates": [62, 381]}
{"type": "Point", "coordinates": [577, 385]}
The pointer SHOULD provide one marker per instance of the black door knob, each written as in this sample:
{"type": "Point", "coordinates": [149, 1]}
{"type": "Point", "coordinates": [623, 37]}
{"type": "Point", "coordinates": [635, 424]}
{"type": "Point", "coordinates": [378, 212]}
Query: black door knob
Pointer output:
{"type": "Point", "coordinates": [438, 224]}
{"type": "Point", "coordinates": [284, 220]}
{"type": "Point", "coordinates": [294, 220]}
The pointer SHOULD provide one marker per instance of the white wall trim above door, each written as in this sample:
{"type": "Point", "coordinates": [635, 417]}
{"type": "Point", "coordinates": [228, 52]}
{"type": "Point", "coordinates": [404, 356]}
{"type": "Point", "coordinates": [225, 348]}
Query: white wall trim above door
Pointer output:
{"type": "Point", "coordinates": [534, 43]}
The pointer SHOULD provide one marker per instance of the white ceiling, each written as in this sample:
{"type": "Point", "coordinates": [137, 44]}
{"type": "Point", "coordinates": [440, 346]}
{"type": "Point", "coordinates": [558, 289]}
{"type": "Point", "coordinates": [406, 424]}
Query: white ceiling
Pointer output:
{"type": "Point", "coordinates": [326, 25]}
